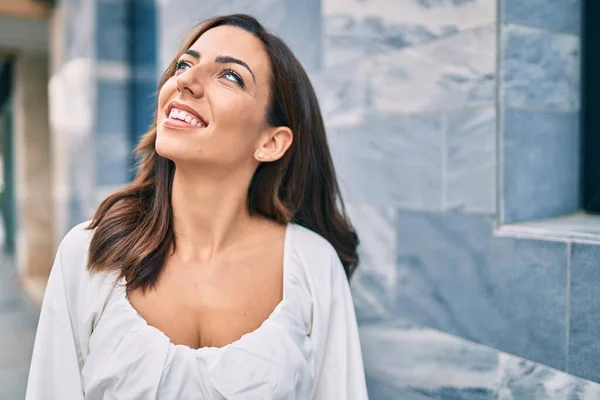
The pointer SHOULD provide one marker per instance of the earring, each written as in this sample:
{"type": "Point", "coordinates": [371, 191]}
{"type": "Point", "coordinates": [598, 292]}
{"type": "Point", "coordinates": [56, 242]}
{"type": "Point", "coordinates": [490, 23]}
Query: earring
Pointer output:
{"type": "Point", "coordinates": [261, 155]}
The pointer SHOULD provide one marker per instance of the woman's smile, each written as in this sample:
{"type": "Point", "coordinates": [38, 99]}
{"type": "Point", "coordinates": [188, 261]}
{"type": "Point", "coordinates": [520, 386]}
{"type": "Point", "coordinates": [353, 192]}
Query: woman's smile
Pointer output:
{"type": "Point", "coordinates": [181, 119]}
{"type": "Point", "coordinates": [181, 116]}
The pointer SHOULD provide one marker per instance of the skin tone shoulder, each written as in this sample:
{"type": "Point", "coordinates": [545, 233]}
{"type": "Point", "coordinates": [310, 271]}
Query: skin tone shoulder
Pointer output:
{"type": "Point", "coordinates": [225, 276]}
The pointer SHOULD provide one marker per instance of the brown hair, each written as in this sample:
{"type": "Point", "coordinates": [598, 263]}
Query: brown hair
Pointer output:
{"type": "Point", "coordinates": [134, 226]}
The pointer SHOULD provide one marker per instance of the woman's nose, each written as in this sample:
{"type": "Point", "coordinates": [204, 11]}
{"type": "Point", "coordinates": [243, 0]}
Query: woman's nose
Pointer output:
{"type": "Point", "coordinates": [190, 81]}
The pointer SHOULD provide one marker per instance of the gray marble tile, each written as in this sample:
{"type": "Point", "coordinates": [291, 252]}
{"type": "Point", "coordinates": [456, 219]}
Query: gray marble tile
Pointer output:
{"type": "Point", "coordinates": [471, 161]}
{"type": "Point", "coordinates": [113, 108]}
{"type": "Point", "coordinates": [298, 23]}
{"type": "Point", "coordinates": [525, 380]}
{"type": "Point", "coordinates": [72, 100]}
{"type": "Point", "coordinates": [408, 361]}
{"type": "Point", "coordinates": [552, 15]}
{"type": "Point", "coordinates": [373, 283]}
{"type": "Point", "coordinates": [393, 161]}
{"type": "Point", "coordinates": [79, 36]}
{"type": "Point", "coordinates": [529, 289]}
{"type": "Point", "coordinates": [82, 177]}
{"type": "Point", "coordinates": [540, 164]}
{"type": "Point", "coordinates": [505, 293]}
{"type": "Point", "coordinates": [540, 69]}
{"type": "Point", "coordinates": [467, 394]}
{"type": "Point", "coordinates": [78, 212]}
{"type": "Point", "coordinates": [440, 263]}
{"type": "Point", "coordinates": [302, 30]}
{"type": "Point", "coordinates": [342, 94]}
{"type": "Point", "coordinates": [144, 104]}
{"type": "Point", "coordinates": [112, 141]}
{"type": "Point", "coordinates": [144, 34]}
{"type": "Point", "coordinates": [144, 3]}
{"type": "Point", "coordinates": [447, 74]}
{"type": "Point", "coordinates": [113, 154]}
{"type": "Point", "coordinates": [359, 28]}
{"type": "Point", "coordinates": [113, 38]}
{"type": "Point", "coordinates": [584, 347]}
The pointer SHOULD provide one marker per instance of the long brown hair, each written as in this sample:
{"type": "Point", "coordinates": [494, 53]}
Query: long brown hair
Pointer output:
{"type": "Point", "coordinates": [134, 226]}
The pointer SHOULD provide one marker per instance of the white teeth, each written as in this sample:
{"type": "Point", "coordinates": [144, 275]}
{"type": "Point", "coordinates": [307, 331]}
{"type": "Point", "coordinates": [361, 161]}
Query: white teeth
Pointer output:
{"type": "Point", "coordinates": [184, 116]}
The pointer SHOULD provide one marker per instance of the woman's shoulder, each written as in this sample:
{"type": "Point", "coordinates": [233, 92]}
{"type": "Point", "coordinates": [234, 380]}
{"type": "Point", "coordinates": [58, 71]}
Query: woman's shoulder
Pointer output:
{"type": "Point", "coordinates": [76, 242]}
{"type": "Point", "coordinates": [307, 239]}
{"type": "Point", "coordinates": [72, 253]}
{"type": "Point", "coordinates": [318, 257]}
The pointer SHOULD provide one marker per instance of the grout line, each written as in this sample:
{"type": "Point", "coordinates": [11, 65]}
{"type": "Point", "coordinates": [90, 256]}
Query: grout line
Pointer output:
{"type": "Point", "coordinates": [438, 111]}
{"type": "Point", "coordinates": [553, 228]}
{"type": "Point", "coordinates": [546, 110]}
{"type": "Point", "coordinates": [499, 231]}
{"type": "Point", "coordinates": [542, 30]}
{"type": "Point", "coordinates": [572, 233]}
{"type": "Point", "coordinates": [499, 118]}
{"type": "Point", "coordinates": [408, 46]}
{"type": "Point", "coordinates": [493, 105]}
{"type": "Point", "coordinates": [568, 305]}
{"type": "Point", "coordinates": [444, 160]}
{"type": "Point", "coordinates": [499, 12]}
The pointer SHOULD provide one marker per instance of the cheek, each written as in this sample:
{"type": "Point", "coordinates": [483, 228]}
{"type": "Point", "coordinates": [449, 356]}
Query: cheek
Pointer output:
{"type": "Point", "coordinates": [237, 112]}
{"type": "Point", "coordinates": [239, 124]}
{"type": "Point", "coordinates": [236, 129]}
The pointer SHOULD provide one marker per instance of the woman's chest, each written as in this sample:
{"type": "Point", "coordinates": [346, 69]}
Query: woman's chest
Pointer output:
{"type": "Point", "coordinates": [211, 306]}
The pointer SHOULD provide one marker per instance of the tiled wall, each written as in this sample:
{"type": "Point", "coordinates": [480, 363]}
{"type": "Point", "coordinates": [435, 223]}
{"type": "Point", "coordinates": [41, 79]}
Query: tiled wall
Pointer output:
{"type": "Point", "coordinates": [429, 104]}
{"type": "Point", "coordinates": [425, 76]}
{"type": "Point", "coordinates": [539, 96]}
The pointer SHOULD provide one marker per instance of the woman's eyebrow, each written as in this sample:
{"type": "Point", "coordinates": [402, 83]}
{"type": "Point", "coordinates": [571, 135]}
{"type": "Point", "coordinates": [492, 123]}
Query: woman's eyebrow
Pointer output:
{"type": "Point", "coordinates": [193, 53]}
{"type": "Point", "coordinates": [229, 60]}
{"type": "Point", "coordinates": [223, 60]}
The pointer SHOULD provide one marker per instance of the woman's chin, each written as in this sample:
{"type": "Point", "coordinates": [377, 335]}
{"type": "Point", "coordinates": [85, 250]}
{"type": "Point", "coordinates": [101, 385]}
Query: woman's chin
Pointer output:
{"type": "Point", "coordinates": [171, 148]}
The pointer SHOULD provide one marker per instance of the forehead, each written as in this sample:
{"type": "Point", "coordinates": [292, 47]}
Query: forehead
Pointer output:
{"type": "Point", "coordinates": [234, 42]}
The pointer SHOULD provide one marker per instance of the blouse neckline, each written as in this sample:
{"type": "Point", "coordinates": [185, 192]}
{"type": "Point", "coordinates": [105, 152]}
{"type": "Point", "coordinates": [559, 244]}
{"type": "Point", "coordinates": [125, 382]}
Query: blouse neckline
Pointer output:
{"type": "Point", "coordinates": [273, 316]}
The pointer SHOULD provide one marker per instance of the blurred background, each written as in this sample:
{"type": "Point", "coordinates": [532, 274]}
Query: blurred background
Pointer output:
{"type": "Point", "coordinates": [465, 134]}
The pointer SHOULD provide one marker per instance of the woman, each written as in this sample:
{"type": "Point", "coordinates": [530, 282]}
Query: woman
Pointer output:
{"type": "Point", "coordinates": [221, 271]}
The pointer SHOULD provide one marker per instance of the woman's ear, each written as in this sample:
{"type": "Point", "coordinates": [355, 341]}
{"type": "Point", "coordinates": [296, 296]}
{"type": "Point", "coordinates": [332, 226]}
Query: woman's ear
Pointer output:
{"type": "Point", "coordinates": [274, 144]}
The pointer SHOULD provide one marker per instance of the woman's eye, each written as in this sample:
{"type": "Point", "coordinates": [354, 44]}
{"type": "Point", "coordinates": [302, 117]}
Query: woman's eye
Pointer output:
{"type": "Point", "coordinates": [181, 65]}
{"type": "Point", "coordinates": [233, 77]}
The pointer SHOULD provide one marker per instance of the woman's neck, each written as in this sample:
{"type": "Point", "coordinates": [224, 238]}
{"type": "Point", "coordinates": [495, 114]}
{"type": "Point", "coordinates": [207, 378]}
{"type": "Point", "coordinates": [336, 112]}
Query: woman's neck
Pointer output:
{"type": "Point", "coordinates": [209, 213]}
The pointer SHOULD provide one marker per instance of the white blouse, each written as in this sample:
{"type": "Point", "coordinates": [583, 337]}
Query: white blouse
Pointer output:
{"type": "Point", "coordinates": [91, 343]}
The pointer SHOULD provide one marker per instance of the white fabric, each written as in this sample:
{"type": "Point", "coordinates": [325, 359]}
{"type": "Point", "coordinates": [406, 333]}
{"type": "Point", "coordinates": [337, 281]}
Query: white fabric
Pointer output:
{"type": "Point", "coordinates": [92, 344]}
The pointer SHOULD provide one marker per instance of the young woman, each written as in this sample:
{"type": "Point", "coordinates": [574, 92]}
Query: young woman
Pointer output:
{"type": "Point", "coordinates": [222, 271]}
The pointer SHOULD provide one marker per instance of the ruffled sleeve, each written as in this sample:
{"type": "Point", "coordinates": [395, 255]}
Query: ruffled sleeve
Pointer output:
{"type": "Point", "coordinates": [341, 364]}
{"type": "Point", "coordinates": [334, 335]}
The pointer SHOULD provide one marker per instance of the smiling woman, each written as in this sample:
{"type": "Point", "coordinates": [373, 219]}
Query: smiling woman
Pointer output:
{"type": "Point", "coordinates": [222, 270]}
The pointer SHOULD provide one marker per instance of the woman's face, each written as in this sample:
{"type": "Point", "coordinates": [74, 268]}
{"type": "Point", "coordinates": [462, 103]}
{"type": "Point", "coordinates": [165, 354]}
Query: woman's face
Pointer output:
{"type": "Point", "coordinates": [214, 107]}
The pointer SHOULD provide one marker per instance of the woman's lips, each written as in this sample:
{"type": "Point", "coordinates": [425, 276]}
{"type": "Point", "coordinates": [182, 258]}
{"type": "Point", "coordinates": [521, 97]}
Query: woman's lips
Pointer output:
{"type": "Point", "coordinates": [183, 111]}
{"type": "Point", "coordinates": [176, 123]}
{"type": "Point", "coordinates": [182, 119]}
